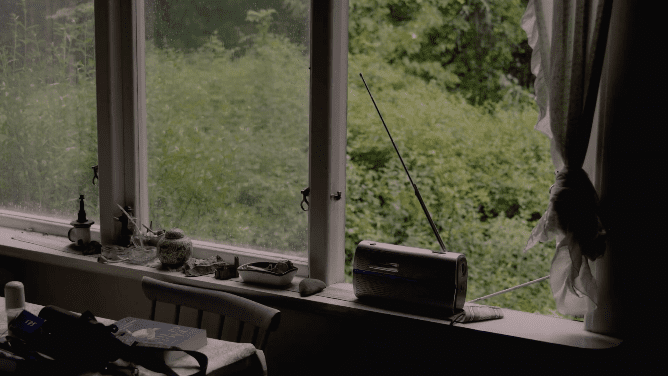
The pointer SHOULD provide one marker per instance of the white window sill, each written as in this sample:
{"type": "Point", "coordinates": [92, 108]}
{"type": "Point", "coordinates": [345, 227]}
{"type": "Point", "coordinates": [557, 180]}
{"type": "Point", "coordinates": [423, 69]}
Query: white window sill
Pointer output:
{"type": "Point", "coordinates": [338, 299]}
{"type": "Point", "coordinates": [201, 249]}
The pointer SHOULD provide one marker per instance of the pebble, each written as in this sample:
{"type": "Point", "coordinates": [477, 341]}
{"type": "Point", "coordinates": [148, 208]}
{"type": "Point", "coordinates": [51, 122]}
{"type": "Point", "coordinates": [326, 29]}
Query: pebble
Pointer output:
{"type": "Point", "coordinates": [310, 286]}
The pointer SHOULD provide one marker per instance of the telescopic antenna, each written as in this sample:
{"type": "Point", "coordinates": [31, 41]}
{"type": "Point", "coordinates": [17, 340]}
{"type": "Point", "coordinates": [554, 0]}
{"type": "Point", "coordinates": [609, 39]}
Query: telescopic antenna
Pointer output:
{"type": "Point", "coordinates": [415, 188]}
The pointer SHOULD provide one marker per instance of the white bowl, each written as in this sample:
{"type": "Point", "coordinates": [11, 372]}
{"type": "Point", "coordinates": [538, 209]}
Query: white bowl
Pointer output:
{"type": "Point", "coordinates": [264, 276]}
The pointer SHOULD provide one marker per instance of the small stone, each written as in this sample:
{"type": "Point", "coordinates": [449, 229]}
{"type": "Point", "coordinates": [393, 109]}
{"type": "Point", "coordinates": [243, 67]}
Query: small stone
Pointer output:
{"type": "Point", "coordinates": [310, 286]}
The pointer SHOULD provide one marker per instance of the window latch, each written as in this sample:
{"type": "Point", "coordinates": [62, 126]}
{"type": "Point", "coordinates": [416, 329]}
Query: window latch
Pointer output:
{"type": "Point", "coordinates": [305, 193]}
{"type": "Point", "coordinates": [95, 174]}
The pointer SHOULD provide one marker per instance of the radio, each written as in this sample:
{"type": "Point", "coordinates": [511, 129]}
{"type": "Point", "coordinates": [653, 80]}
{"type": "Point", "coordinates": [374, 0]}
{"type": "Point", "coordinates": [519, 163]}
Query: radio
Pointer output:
{"type": "Point", "coordinates": [414, 277]}
{"type": "Point", "coordinates": [388, 273]}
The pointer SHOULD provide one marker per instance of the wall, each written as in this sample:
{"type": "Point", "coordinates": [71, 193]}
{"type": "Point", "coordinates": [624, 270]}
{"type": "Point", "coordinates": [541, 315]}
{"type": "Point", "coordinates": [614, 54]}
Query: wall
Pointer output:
{"type": "Point", "coordinates": [633, 151]}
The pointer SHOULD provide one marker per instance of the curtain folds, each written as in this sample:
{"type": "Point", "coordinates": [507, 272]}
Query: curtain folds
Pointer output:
{"type": "Point", "coordinates": [568, 39]}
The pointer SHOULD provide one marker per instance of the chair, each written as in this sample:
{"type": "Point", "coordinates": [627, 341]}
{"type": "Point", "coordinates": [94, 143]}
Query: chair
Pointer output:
{"type": "Point", "coordinates": [260, 317]}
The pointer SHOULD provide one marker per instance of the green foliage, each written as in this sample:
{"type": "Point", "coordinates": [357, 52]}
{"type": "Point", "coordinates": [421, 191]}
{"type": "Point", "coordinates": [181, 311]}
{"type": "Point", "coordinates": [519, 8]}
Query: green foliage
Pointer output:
{"type": "Point", "coordinates": [466, 46]}
{"type": "Point", "coordinates": [228, 141]}
{"type": "Point", "coordinates": [48, 132]}
{"type": "Point", "coordinates": [187, 25]}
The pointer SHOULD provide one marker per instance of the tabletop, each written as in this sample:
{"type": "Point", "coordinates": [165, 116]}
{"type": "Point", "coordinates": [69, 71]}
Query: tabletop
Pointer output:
{"type": "Point", "coordinates": [222, 354]}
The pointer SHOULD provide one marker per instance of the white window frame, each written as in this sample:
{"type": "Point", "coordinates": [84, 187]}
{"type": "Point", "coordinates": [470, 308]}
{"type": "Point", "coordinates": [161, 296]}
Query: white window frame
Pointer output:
{"type": "Point", "coordinates": [122, 137]}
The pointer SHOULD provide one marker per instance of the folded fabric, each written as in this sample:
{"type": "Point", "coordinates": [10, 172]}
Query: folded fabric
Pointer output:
{"type": "Point", "coordinates": [476, 312]}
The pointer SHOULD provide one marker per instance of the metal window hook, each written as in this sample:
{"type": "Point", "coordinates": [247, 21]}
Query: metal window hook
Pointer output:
{"type": "Point", "coordinates": [95, 168]}
{"type": "Point", "coordinates": [305, 193]}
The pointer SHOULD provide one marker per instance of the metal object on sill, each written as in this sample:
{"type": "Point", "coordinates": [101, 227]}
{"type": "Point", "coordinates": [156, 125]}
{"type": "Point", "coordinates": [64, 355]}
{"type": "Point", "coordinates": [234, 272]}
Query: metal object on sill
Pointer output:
{"type": "Point", "coordinates": [80, 232]}
{"type": "Point", "coordinates": [228, 271]}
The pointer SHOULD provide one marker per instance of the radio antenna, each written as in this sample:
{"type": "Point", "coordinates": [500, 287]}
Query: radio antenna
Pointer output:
{"type": "Point", "coordinates": [415, 188]}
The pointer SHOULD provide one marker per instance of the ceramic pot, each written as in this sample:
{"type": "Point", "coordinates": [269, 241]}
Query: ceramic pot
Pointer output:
{"type": "Point", "coordinates": [175, 248]}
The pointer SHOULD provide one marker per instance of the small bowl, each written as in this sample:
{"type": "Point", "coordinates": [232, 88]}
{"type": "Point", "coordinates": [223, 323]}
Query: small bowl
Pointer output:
{"type": "Point", "coordinates": [265, 277]}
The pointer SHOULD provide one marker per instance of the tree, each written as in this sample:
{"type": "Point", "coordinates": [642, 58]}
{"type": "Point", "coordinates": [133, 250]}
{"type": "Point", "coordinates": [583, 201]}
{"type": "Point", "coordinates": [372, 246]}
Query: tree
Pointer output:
{"type": "Point", "coordinates": [474, 47]}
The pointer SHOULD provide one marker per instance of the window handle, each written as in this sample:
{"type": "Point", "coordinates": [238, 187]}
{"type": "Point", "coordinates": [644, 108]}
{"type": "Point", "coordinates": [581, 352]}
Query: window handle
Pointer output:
{"type": "Point", "coordinates": [95, 168]}
{"type": "Point", "coordinates": [305, 193]}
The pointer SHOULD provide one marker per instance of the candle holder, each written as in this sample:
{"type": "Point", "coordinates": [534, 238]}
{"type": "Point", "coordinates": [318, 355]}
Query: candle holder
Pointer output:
{"type": "Point", "coordinates": [80, 232]}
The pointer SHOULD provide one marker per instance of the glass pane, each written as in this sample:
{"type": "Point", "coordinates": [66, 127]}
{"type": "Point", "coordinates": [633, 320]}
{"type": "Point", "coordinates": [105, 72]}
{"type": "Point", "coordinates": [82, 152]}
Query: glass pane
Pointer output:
{"type": "Point", "coordinates": [454, 85]}
{"type": "Point", "coordinates": [48, 132]}
{"type": "Point", "coordinates": [227, 116]}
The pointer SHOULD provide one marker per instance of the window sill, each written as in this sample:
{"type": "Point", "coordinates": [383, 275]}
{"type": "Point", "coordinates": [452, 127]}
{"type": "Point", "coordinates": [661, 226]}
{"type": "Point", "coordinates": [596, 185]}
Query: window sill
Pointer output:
{"type": "Point", "coordinates": [337, 299]}
{"type": "Point", "coordinates": [201, 249]}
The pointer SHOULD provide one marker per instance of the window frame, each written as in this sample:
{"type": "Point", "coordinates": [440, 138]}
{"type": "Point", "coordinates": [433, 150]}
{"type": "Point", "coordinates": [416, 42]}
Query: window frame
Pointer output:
{"type": "Point", "coordinates": [122, 138]}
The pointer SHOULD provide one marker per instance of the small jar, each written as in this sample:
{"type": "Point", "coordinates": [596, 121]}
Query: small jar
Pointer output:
{"type": "Point", "coordinates": [14, 301]}
{"type": "Point", "coordinates": [175, 248]}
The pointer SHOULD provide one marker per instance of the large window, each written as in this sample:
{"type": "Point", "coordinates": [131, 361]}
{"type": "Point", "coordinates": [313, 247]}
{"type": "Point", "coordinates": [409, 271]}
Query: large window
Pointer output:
{"type": "Point", "coordinates": [214, 117]}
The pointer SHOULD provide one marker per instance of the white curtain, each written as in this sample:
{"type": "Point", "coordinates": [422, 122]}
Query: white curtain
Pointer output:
{"type": "Point", "coordinates": [568, 39]}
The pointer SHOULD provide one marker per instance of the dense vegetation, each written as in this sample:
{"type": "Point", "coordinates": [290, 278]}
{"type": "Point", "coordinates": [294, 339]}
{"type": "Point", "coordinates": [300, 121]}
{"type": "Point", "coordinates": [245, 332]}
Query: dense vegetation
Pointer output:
{"type": "Point", "coordinates": [227, 117]}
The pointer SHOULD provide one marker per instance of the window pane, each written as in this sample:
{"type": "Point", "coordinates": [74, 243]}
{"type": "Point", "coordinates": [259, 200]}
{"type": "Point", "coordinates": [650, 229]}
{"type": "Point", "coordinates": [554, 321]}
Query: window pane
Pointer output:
{"type": "Point", "coordinates": [48, 133]}
{"type": "Point", "coordinates": [227, 116]}
{"type": "Point", "coordinates": [454, 86]}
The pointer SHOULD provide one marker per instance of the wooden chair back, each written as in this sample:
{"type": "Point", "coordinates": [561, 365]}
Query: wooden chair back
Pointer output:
{"type": "Point", "coordinates": [263, 319]}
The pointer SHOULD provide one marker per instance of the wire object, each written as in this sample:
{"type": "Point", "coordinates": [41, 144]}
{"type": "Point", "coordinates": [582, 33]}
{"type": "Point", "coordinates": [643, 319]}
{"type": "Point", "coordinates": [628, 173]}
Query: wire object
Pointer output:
{"type": "Point", "coordinates": [510, 289]}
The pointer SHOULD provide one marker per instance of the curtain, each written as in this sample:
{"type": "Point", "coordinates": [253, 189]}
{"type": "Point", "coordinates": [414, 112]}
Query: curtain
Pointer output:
{"type": "Point", "coordinates": [568, 38]}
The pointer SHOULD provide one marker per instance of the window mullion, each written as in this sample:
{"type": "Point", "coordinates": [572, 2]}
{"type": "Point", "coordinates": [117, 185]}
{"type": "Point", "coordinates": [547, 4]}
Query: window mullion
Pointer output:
{"type": "Point", "coordinates": [327, 139]}
{"type": "Point", "coordinates": [121, 157]}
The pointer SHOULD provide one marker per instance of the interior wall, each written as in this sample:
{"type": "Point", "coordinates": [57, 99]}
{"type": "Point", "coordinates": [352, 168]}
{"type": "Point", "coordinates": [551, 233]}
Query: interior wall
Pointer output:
{"type": "Point", "coordinates": [633, 151]}
{"type": "Point", "coordinates": [309, 343]}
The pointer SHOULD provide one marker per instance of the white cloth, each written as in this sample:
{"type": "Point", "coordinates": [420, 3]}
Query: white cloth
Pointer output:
{"type": "Point", "coordinates": [568, 41]}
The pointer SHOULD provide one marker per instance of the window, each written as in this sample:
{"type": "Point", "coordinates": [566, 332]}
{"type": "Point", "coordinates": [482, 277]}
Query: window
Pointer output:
{"type": "Point", "coordinates": [192, 134]}
{"type": "Point", "coordinates": [134, 121]}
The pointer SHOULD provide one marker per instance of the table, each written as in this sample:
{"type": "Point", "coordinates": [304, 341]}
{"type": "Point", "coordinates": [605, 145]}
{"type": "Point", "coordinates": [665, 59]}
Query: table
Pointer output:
{"type": "Point", "coordinates": [224, 357]}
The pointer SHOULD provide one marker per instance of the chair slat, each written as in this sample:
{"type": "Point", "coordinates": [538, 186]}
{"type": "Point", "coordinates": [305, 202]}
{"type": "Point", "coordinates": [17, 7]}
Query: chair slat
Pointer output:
{"type": "Point", "coordinates": [152, 317]}
{"type": "Point", "coordinates": [256, 330]}
{"type": "Point", "coordinates": [240, 331]}
{"type": "Point", "coordinates": [263, 341]}
{"type": "Point", "coordinates": [220, 327]}
{"type": "Point", "coordinates": [199, 318]}
{"type": "Point", "coordinates": [177, 313]}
